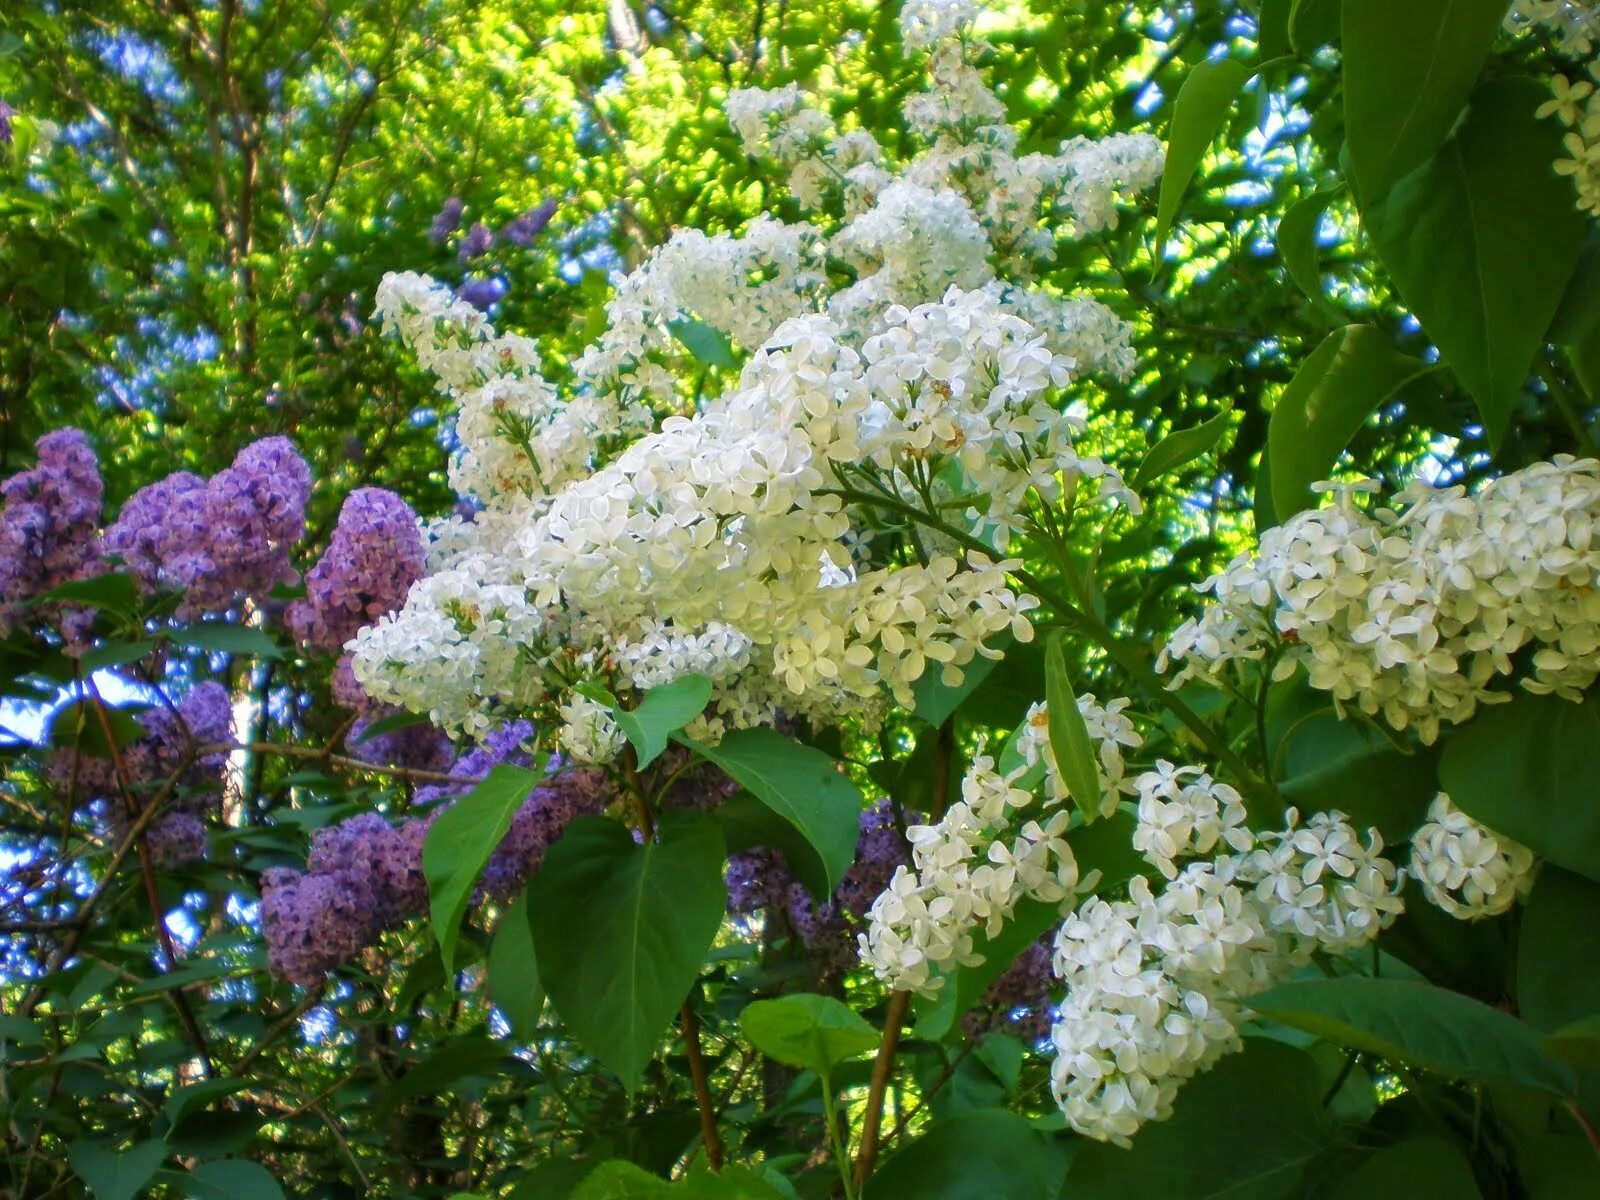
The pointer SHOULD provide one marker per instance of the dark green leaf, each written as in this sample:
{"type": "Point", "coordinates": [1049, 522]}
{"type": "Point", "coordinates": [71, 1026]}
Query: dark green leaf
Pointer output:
{"type": "Point", "coordinates": [620, 930]}
{"type": "Point", "coordinates": [1180, 448]}
{"type": "Point", "coordinates": [78, 724]}
{"type": "Point", "coordinates": [1577, 1044]}
{"type": "Point", "coordinates": [1075, 755]}
{"type": "Point", "coordinates": [1297, 246]}
{"type": "Point", "coordinates": [1354, 372]}
{"type": "Point", "coordinates": [201, 1094]}
{"type": "Point", "coordinates": [115, 593]}
{"type": "Point", "coordinates": [1407, 70]}
{"type": "Point", "coordinates": [747, 823]}
{"type": "Point", "coordinates": [232, 1179]}
{"type": "Point", "coordinates": [112, 1174]}
{"type": "Point", "coordinates": [1558, 950]}
{"type": "Point", "coordinates": [454, 1060]}
{"type": "Point", "coordinates": [1481, 240]}
{"type": "Point", "coordinates": [1424, 1168]}
{"type": "Point", "coordinates": [1272, 29]}
{"type": "Point", "coordinates": [799, 783]}
{"type": "Point", "coordinates": [114, 654]}
{"type": "Point", "coordinates": [1244, 1130]}
{"type": "Point", "coordinates": [1198, 115]}
{"type": "Point", "coordinates": [461, 841]}
{"type": "Point", "coordinates": [1313, 23]}
{"type": "Point", "coordinates": [1413, 1022]}
{"type": "Point", "coordinates": [514, 985]}
{"type": "Point", "coordinates": [977, 1155]}
{"type": "Point", "coordinates": [813, 1032]}
{"type": "Point", "coordinates": [1506, 767]}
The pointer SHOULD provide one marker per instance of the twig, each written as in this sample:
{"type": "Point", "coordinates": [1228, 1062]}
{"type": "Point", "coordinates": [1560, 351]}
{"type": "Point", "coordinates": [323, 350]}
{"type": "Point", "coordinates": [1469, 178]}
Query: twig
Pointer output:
{"type": "Point", "coordinates": [882, 1072]}
{"type": "Point", "coordinates": [702, 1086]}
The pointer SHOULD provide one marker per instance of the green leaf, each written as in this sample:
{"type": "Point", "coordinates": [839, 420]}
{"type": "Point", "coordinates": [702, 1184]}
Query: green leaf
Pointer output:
{"type": "Point", "coordinates": [454, 1060]}
{"type": "Point", "coordinates": [1577, 319]}
{"type": "Point", "coordinates": [799, 783]}
{"type": "Point", "coordinates": [514, 986]}
{"type": "Point", "coordinates": [1577, 1044]}
{"type": "Point", "coordinates": [1424, 1168]}
{"type": "Point", "coordinates": [935, 701]}
{"type": "Point", "coordinates": [112, 1174]}
{"type": "Point", "coordinates": [1509, 765]}
{"type": "Point", "coordinates": [979, 1155]}
{"type": "Point", "coordinates": [1480, 242]}
{"type": "Point", "coordinates": [747, 823]}
{"type": "Point", "coordinates": [1355, 371]}
{"type": "Point", "coordinates": [1198, 115]}
{"type": "Point", "coordinates": [620, 930]}
{"type": "Point", "coordinates": [1558, 947]}
{"type": "Point", "coordinates": [1180, 448]}
{"type": "Point", "coordinates": [1338, 764]}
{"type": "Point", "coordinates": [1272, 29]}
{"type": "Point", "coordinates": [114, 654]}
{"type": "Point", "coordinates": [115, 593]}
{"type": "Point", "coordinates": [709, 345]}
{"type": "Point", "coordinates": [663, 711]}
{"type": "Point", "coordinates": [221, 638]}
{"type": "Point", "coordinates": [1312, 24]}
{"type": "Point", "coordinates": [200, 1094]}
{"type": "Point", "coordinates": [1297, 246]}
{"type": "Point", "coordinates": [816, 1033]}
{"type": "Point", "coordinates": [1407, 70]}
{"type": "Point", "coordinates": [1244, 1130]}
{"type": "Point", "coordinates": [461, 841]}
{"type": "Point", "coordinates": [232, 1179]}
{"type": "Point", "coordinates": [619, 1179]}
{"type": "Point", "coordinates": [1409, 1021]}
{"type": "Point", "coordinates": [1069, 736]}
{"type": "Point", "coordinates": [731, 1183]}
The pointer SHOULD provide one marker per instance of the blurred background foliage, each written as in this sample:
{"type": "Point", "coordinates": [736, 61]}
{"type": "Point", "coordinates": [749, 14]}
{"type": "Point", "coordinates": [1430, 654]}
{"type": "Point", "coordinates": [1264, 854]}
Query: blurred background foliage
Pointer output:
{"type": "Point", "coordinates": [192, 265]}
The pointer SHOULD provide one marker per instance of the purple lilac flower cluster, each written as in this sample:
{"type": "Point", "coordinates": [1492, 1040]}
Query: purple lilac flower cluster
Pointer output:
{"type": "Point", "coordinates": [373, 558]}
{"type": "Point", "coordinates": [365, 876]}
{"type": "Point", "coordinates": [219, 540]}
{"type": "Point", "coordinates": [447, 220]}
{"type": "Point", "coordinates": [49, 526]}
{"type": "Point", "coordinates": [760, 879]}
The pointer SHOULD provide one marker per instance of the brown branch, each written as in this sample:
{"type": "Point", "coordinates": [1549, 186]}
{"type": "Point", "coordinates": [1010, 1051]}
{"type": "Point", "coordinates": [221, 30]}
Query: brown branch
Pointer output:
{"type": "Point", "coordinates": [933, 1090]}
{"type": "Point", "coordinates": [882, 1072]}
{"type": "Point", "coordinates": [702, 1086]}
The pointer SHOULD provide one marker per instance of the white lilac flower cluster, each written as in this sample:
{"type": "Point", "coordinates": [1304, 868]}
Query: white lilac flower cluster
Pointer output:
{"type": "Point", "coordinates": [1157, 984]}
{"type": "Point", "coordinates": [980, 860]}
{"type": "Point", "coordinates": [1572, 25]}
{"type": "Point", "coordinates": [629, 531]}
{"type": "Point", "coordinates": [1465, 868]}
{"type": "Point", "coordinates": [1572, 28]}
{"type": "Point", "coordinates": [1415, 612]}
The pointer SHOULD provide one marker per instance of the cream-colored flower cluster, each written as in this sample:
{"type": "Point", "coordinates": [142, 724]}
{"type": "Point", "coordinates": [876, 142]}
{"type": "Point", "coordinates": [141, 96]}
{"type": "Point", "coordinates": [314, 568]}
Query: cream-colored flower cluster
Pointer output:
{"type": "Point", "coordinates": [1414, 613]}
{"type": "Point", "coordinates": [1158, 984]}
{"type": "Point", "coordinates": [631, 531]}
{"type": "Point", "coordinates": [1572, 28]}
{"type": "Point", "coordinates": [1465, 868]}
{"type": "Point", "coordinates": [972, 867]}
